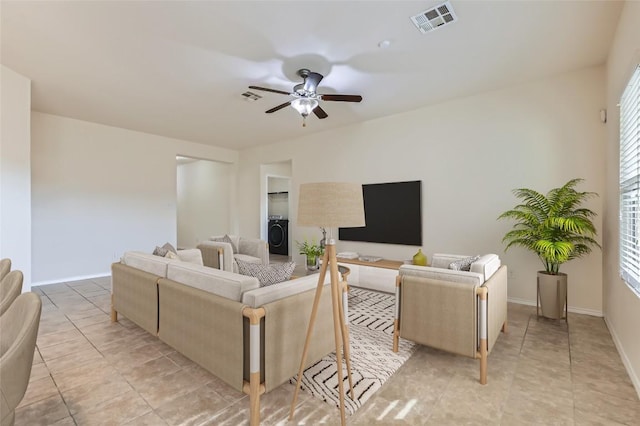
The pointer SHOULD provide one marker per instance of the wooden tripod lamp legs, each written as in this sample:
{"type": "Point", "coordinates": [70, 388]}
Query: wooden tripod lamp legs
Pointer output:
{"type": "Point", "coordinates": [341, 332]}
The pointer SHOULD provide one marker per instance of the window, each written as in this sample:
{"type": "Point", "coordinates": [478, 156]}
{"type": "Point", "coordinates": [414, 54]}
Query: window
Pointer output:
{"type": "Point", "coordinates": [630, 183]}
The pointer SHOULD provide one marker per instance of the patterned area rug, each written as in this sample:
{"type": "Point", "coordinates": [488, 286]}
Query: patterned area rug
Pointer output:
{"type": "Point", "coordinates": [372, 360]}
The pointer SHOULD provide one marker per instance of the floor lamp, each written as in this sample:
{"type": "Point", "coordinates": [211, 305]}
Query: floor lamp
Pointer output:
{"type": "Point", "coordinates": [330, 205]}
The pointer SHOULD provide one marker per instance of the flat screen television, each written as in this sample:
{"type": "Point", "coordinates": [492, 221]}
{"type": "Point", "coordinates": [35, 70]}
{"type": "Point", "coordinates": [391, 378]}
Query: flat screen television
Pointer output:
{"type": "Point", "coordinates": [393, 214]}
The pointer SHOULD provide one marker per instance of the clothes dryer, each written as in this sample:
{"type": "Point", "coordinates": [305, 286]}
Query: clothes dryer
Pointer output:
{"type": "Point", "coordinates": [279, 236]}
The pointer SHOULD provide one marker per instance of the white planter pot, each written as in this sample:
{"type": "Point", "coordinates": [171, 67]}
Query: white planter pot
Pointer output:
{"type": "Point", "coordinates": [552, 294]}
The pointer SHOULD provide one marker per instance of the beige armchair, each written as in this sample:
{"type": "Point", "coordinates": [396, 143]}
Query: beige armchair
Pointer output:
{"type": "Point", "coordinates": [5, 267]}
{"type": "Point", "coordinates": [456, 311]}
{"type": "Point", "coordinates": [18, 332]}
{"type": "Point", "coordinates": [221, 254]}
{"type": "Point", "coordinates": [10, 289]}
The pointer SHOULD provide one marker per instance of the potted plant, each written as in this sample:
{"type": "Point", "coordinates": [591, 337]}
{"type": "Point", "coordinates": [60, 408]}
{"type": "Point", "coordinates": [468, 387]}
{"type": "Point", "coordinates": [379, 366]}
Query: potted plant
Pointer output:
{"type": "Point", "coordinates": [557, 229]}
{"type": "Point", "coordinates": [312, 252]}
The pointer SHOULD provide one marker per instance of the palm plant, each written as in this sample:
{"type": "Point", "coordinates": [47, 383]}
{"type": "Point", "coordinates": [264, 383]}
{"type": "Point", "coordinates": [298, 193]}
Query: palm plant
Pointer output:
{"type": "Point", "coordinates": [553, 226]}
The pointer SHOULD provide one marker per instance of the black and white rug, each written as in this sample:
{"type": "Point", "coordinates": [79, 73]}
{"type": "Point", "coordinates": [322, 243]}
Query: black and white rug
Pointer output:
{"type": "Point", "coordinates": [372, 359]}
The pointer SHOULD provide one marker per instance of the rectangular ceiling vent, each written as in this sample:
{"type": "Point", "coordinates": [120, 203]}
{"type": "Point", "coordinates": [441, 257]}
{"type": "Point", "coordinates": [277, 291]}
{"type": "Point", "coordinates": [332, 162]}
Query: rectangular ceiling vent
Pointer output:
{"type": "Point", "coordinates": [250, 96]}
{"type": "Point", "coordinates": [434, 18]}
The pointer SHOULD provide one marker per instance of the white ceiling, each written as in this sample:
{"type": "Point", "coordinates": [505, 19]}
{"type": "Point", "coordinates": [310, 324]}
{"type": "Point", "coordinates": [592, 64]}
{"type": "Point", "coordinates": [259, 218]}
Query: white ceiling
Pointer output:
{"type": "Point", "coordinates": [178, 68]}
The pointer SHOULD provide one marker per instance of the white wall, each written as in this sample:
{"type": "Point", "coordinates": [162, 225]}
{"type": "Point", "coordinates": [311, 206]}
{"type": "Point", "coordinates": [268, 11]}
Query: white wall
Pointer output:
{"type": "Point", "coordinates": [204, 199]}
{"type": "Point", "coordinates": [469, 153]}
{"type": "Point", "coordinates": [98, 191]}
{"type": "Point", "coordinates": [15, 172]}
{"type": "Point", "coordinates": [621, 305]}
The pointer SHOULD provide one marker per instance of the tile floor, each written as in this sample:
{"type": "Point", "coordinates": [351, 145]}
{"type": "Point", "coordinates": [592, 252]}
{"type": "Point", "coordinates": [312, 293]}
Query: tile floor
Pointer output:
{"type": "Point", "coordinates": [88, 371]}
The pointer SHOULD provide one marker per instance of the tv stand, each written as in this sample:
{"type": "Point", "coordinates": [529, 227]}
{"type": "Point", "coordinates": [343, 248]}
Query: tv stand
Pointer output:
{"type": "Point", "coordinates": [380, 275]}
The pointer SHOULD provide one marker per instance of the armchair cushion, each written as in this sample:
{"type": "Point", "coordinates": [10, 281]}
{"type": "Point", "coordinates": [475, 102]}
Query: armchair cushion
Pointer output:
{"type": "Point", "coordinates": [227, 239]}
{"type": "Point", "coordinates": [267, 274]}
{"type": "Point", "coordinates": [463, 264]}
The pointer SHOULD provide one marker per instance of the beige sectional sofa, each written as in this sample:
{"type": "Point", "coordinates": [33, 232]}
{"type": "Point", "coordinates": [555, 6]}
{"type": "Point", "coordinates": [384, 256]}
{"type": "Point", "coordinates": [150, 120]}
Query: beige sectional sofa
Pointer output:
{"type": "Point", "coordinates": [249, 336]}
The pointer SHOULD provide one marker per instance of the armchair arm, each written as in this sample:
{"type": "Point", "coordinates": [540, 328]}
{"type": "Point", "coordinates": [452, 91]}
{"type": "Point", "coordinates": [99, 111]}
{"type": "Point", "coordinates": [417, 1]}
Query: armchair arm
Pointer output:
{"type": "Point", "coordinates": [217, 254]}
{"type": "Point", "coordinates": [255, 247]}
{"type": "Point", "coordinates": [496, 304]}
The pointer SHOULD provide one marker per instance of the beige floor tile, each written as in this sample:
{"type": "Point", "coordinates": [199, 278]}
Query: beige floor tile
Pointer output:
{"type": "Point", "coordinates": [588, 400]}
{"type": "Point", "coordinates": [74, 360]}
{"type": "Point", "coordinates": [150, 371]}
{"type": "Point", "coordinates": [160, 390]}
{"type": "Point", "coordinates": [149, 419]}
{"type": "Point", "coordinates": [44, 412]}
{"type": "Point", "coordinates": [38, 390]}
{"type": "Point", "coordinates": [69, 347]}
{"type": "Point", "coordinates": [95, 392]}
{"type": "Point", "coordinates": [100, 317]}
{"type": "Point", "coordinates": [57, 338]}
{"type": "Point", "coordinates": [125, 360]}
{"type": "Point", "coordinates": [72, 377]}
{"type": "Point", "coordinates": [38, 371]}
{"type": "Point", "coordinates": [196, 407]}
{"type": "Point", "coordinates": [117, 411]}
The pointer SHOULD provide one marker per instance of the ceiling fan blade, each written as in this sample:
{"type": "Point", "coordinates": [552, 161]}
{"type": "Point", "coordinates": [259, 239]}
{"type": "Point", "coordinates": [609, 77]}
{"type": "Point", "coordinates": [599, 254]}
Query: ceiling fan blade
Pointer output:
{"type": "Point", "coordinates": [269, 90]}
{"type": "Point", "coordinates": [319, 112]}
{"type": "Point", "coordinates": [311, 81]}
{"type": "Point", "coordinates": [342, 98]}
{"type": "Point", "coordinates": [278, 108]}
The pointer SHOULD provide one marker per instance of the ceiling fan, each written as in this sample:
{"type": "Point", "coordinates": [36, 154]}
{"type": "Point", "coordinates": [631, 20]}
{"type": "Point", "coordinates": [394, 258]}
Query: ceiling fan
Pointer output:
{"type": "Point", "coordinates": [306, 99]}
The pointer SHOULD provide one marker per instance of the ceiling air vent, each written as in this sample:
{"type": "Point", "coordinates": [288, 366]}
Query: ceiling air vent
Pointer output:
{"type": "Point", "coordinates": [434, 18]}
{"type": "Point", "coordinates": [250, 96]}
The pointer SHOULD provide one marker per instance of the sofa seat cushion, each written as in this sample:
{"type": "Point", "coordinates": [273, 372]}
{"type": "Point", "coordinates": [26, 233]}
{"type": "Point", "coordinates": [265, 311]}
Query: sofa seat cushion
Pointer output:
{"type": "Point", "coordinates": [263, 295]}
{"type": "Point", "coordinates": [215, 281]}
{"type": "Point", "coordinates": [442, 274]}
{"type": "Point", "coordinates": [146, 262]}
{"type": "Point", "coordinates": [273, 273]}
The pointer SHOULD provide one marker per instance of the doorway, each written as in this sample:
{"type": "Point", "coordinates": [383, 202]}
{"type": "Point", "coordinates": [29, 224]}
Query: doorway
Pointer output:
{"type": "Point", "coordinates": [204, 190]}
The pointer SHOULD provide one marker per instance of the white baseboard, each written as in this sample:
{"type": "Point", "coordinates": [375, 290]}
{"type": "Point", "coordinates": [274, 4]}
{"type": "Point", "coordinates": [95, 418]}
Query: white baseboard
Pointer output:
{"type": "Point", "coordinates": [70, 279]}
{"type": "Point", "coordinates": [627, 364]}
{"type": "Point", "coordinates": [572, 309]}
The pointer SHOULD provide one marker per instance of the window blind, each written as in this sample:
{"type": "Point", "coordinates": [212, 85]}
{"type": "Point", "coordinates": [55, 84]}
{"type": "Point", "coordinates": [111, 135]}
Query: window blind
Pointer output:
{"type": "Point", "coordinates": [630, 183]}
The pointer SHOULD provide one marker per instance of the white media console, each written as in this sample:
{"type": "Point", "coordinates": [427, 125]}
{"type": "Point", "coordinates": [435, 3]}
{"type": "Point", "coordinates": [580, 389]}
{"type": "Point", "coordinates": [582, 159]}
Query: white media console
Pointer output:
{"type": "Point", "coordinates": [380, 275]}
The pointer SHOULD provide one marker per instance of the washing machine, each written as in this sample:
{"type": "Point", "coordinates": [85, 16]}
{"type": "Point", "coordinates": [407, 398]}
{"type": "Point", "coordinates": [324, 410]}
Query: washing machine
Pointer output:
{"type": "Point", "coordinates": [279, 236]}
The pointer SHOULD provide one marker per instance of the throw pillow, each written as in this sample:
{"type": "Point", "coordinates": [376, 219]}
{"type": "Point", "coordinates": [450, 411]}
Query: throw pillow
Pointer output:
{"type": "Point", "coordinates": [463, 264]}
{"type": "Point", "coordinates": [169, 247]}
{"type": "Point", "coordinates": [160, 251]}
{"type": "Point", "coordinates": [226, 239]}
{"type": "Point", "coordinates": [267, 274]}
{"type": "Point", "coordinates": [171, 255]}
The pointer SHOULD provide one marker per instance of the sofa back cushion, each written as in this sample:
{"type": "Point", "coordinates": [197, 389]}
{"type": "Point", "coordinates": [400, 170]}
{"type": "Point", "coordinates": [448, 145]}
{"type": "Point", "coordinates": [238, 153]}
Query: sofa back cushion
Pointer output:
{"type": "Point", "coordinates": [440, 260]}
{"type": "Point", "coordinates": [222, 283]}
{"type": "Point", "coordinates": [486, 265]}
{"type": "Point", "coordinates": [156, 265]}
{"type": "Point", "coordinates": [191, 255]}
{"type": "Point", "coordinates": [442, 274]}
{"type": "Point", "coordinates": [263, 295]}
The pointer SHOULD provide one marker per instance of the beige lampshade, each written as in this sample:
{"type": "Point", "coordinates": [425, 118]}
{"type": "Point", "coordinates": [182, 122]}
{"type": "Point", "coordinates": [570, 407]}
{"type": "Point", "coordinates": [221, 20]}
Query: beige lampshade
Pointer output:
{"type": "Point", "coordinates": [331, 205]}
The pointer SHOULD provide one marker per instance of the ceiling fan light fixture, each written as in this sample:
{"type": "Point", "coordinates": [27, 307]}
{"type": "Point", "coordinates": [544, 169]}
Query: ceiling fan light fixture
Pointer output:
{"type": "Point", "coordinates": [304, 106]}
